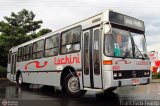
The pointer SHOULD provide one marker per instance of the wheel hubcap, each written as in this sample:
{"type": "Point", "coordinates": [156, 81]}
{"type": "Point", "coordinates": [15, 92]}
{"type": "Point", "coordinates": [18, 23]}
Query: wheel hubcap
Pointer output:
{"type": "Point", "coordinates": [73, 84]}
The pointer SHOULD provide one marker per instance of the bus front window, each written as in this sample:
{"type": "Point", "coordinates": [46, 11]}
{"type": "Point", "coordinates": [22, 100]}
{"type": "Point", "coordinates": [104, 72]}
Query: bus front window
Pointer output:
{"type": "Point", "coordinates": [139, 41]}
{"type": "Point", "coordinates": [118, 44]}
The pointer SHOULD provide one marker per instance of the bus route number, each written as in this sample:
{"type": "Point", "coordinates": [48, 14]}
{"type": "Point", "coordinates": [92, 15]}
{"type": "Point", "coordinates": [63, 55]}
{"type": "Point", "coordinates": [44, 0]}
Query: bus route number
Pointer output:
{"type": "Point", "coordinates": [116, 67]}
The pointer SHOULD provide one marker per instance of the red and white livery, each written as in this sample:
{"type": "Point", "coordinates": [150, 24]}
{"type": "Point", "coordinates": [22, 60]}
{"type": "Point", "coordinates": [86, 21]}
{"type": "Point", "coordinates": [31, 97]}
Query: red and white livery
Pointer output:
{"type": "Point", "coordinates": [100, 53]}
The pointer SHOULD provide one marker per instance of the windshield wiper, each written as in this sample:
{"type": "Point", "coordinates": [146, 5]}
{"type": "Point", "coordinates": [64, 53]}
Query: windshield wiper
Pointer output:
{"type": "Point", "coordinates": [126, 54]}
{"type": "Point", "coordinates": [134, 45]}
{"type": "Point", "coordinates": [139, 52]}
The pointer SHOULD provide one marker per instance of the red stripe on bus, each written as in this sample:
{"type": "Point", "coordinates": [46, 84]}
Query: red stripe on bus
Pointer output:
{"type": "Point", "coordinates": [37, 65]}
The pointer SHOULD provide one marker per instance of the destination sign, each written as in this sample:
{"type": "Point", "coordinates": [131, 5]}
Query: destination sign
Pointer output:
{"type": "Point", "coordinates": [127, 21]}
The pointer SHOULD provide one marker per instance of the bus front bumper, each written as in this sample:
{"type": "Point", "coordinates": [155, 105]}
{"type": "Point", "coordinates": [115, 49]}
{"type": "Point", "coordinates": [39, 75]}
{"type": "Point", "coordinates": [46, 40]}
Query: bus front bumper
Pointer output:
{"type": "Point", "coordinates": [109, 81]}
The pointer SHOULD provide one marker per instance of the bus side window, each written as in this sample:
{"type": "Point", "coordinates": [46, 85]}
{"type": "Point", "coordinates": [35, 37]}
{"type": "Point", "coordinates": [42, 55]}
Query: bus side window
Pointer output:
{"type": "Point", "coordinates": [86, 55]}
{"type": "Point", "coordinates": [20, 53]}
{"type": "Point", "coordinates": [27, 52]}
{"type": "Point", "coordinates": [52, 45]}
{"type": "Point", "coordinates": [38, 48]}
{"type": "Point", "coordinates": [96, 52]}
{"type": "Point", "coordinates": [70, 40]}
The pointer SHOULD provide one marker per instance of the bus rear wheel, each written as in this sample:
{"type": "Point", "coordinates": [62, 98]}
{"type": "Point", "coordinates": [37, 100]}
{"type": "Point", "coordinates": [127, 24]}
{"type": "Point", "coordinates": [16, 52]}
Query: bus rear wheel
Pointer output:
{"type": "Point", "coordinates": [71, 86]}
{"type": "Point", "coordinates": [19, 79]}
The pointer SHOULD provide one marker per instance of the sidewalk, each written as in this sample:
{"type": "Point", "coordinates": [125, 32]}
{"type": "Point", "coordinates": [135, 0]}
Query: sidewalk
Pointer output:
{"type": "Point", "coordinates": [5, 82]}
{"type": "Point", "coordinates": [155, 81]}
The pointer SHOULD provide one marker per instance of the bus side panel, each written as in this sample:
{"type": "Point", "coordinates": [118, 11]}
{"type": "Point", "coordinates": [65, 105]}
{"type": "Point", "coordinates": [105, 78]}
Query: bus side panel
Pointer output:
{"type": "Point", "coordinates": [47, 71]}
{"type": "Point", "coordinates": [45, 78]}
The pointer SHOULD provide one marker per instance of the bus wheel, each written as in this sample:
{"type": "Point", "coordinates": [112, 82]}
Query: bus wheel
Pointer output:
{"type": "Point", "coordinates": [71, 86]}
{"type": "Point", "coordinates": [19, 79]}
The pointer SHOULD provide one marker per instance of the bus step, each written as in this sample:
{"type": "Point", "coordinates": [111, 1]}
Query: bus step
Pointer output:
{"type": "Point", "coordinates": [93, 89]}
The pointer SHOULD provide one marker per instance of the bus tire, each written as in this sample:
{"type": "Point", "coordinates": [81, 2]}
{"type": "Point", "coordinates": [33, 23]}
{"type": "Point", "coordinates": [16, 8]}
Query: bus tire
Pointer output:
{"type": "Point", "coordinates": [71, 86]}
{"type": "Point", "coordinates": [19, 79]}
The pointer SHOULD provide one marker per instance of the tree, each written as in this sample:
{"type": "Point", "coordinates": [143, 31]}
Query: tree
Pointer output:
{"type": "Point", "coordinates": [16, 29]}
{"type": "Point", "coordinates": [43, 32]}
{"type": "Point", "coordinates": [20, 24]}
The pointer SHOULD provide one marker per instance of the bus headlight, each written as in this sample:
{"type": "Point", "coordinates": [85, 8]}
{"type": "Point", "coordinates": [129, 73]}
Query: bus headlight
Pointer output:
{"type": "Point", "coordinates": [119, 74]}
{"type": "Point", "coordinates": [147, 73]}
{"type": "Point", "coordinates": [115, 74]}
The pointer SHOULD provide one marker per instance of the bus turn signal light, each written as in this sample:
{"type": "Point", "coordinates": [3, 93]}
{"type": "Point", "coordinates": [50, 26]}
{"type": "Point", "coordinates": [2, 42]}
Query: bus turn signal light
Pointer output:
{"type": "Point", "coordinates": [107, 62]}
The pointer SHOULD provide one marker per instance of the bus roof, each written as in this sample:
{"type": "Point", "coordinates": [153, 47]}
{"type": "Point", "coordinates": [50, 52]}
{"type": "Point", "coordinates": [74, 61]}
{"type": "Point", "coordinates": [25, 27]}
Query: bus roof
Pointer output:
{"type": "Point", "coordinates": [56, 31]}
{"type": "Point", "coordinates": [103, 15]}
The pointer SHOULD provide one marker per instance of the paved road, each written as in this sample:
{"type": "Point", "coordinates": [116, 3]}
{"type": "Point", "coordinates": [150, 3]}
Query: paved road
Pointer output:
{"type": "Point", "coordinates": [47, 96]}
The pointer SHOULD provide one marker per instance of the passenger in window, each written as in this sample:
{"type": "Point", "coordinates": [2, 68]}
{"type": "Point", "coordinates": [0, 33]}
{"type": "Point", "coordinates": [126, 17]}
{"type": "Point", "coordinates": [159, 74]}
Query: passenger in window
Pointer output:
{"type": "Point", "coordinates": [63, 49]}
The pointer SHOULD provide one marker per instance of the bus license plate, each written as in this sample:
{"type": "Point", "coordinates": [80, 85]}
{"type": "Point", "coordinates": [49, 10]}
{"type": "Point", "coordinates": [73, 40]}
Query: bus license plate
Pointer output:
{"type": "Point", "coordinates": [135, 81]}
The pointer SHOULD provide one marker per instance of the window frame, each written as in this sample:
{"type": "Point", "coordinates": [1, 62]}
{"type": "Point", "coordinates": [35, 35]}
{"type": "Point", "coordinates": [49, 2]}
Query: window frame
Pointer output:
{"type": "Point", "coordinates": [20, 56]}
{"type": "Point", "coordinates": [58, 35]}
{"type": "Point", "coordinates": [96, 72]}
{"type": "Point", "coordinates": [37, 51]}
{"type": "Point", "coordinates": [104, 38]}
{"type": "Point", "coordinates": [29, 54]}
{"type": "Point", "coordinates": [60, 47]}
{"type": "Point", "coordinates": [105, 35]}
{"type": "Point", "coordinates": [86, 72]}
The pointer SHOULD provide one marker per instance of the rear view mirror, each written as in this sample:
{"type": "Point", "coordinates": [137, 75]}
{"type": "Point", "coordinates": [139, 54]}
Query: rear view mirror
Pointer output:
{"type": "Point", "coordinates": [107, 29]}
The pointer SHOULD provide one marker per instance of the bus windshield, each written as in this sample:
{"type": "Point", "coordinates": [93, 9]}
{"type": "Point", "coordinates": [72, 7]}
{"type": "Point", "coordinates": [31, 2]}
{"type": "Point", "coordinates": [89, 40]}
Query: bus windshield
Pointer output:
{"type": "Point", "coordinates": [122, 43]}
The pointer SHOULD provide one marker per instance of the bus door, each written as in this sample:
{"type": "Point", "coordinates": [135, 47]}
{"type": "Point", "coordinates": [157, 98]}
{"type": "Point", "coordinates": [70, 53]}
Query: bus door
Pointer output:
{"type": "Point", "coordinates": [13, 67]}
{"type": "Point", "coordinates": [92, 77]}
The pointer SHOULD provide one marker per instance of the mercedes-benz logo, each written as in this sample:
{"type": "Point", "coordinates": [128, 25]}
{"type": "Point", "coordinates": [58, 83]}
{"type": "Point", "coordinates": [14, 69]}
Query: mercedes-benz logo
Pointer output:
{"type": "Point", "coordinates": [4, 102]}
{"type": "Point", "coordinates": [133, 73]}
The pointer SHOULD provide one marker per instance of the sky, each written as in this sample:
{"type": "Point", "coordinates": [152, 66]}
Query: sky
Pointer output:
{"type": "Point", "coordinates": [57, 14]}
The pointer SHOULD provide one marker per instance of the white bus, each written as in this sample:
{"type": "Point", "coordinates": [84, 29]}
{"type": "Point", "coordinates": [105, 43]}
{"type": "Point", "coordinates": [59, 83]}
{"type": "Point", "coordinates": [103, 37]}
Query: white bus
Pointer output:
{"type": "Point", "coordinates": [100, 53]}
